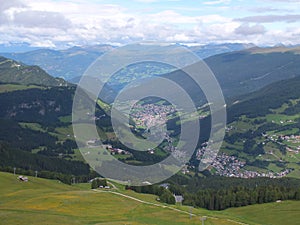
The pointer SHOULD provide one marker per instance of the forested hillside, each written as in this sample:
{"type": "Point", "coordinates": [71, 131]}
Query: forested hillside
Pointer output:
{"type": "Point", "coordinates": [16, 72]}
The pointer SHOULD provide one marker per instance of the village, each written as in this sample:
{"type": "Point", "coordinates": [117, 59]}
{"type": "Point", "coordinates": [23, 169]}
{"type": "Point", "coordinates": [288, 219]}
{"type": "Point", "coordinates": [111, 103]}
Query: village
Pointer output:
{"type": "Point", "coordinates": [149, 115]}
{"type": "Point", "coordinates": [293, 141]}
{"type": "Point", "coordinates": [115, 151]}
{"type": "Point", "coordinates": [231, 166]}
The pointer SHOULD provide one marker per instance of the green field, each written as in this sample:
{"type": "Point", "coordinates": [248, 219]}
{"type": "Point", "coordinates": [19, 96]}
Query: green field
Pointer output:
{"type": "Point", "coordinates": [16, 87]}
{"type": "Point", "coordinates": [42, 201]}
{"type": "Point", "coordinates": [287, 212]}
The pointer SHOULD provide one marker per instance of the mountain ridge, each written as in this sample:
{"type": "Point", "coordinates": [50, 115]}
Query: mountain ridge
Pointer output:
{"type": "Point", "coordinates": [15, 72]}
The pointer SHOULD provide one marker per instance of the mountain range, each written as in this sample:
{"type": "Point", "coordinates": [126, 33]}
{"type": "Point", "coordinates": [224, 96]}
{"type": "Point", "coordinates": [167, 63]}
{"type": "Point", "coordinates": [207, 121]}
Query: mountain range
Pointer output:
{"type": "Point", "coordinates": [70, 64]}
{"type": "Point", "coordinates": [260, 87]}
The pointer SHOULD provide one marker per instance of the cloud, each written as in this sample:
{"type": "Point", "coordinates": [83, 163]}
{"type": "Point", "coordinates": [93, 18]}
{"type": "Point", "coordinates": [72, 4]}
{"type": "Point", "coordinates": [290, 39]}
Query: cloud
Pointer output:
{"type": "Point", "coordinates": [246, 29]}
{"type": "Point", "coordinates": [271, 18]}
{"type": "Point", "coordinates": [4, 4]}
{"type": "Point", "coordinates": [5, 9]}
{"type": "Point", "coordinates": [284, 1]}
{"type": "Point", "coordinates": [151, 1]}
{"type": "Point", "coordinates": [146, 1]}
{"type": "Point", "coordinates": [217, 2]}
{"type": "Point", "coordinates": [31, 18]}
{"type": "Point", "coordinates": [17, 13]}
{"type": "Point", "coordinates": [267, 9]}
{"type": "Point", "coordinates": [51, 23]}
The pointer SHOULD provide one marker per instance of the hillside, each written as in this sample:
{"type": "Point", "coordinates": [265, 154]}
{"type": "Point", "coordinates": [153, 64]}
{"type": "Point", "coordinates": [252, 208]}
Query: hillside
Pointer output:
{"type": "Point", "coordinates": [266, 100]}
{"type": "Point", "coordinates": [40, 118]}
{"type": "Point", "coordinates": [68, 64]}
{"type": "Point", "coordinates": [36, 131]}
{"type": "Point", "coordinates": [263, 129]}
{"type": "Point", "coordinates": [249, 70]}
{"type": "Point", "coordinates": [262, 134]}
{"type": "Point", "coordinates": [243, 72]}
{"type": "Point", "coordinates": [15, 72]}
{"type": "Point", "coordinates": [41, 201]}
{"type": "Point", "coordinates": [238, 69]}
{"type": "Point", "coordinates": [71, 63]}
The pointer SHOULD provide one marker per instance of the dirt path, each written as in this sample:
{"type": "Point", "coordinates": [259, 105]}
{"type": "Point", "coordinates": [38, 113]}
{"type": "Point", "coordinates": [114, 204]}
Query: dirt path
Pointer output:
{"type": "Point", "coordinates": [162, 206]}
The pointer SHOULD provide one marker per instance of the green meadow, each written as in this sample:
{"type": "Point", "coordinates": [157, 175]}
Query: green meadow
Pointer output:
{"type": "Point", "coordinates": [40, 201]}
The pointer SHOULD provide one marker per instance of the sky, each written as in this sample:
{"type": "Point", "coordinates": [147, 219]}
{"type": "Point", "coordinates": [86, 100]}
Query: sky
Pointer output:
{"type": "Point", "coordinates": [64, 23]}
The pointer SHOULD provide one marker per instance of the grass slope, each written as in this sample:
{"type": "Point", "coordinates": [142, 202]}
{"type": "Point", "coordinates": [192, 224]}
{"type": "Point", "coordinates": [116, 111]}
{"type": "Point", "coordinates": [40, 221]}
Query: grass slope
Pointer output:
{"type": "Point", "coordinates": [16, 87]}
{"type": "Point", "coordinates": [42, 201]}
{"type": "Point", "coordinates": [287, 212]}
{"type": "Point", "coordinates": [48, 202]}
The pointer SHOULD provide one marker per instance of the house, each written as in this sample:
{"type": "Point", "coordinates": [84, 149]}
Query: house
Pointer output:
{"type": "Point", "coordinates": [24, 179]}
{"type": "Point", "coordinates": [165, 185]}
{"type": "Point", "coordinates": [178, 198]}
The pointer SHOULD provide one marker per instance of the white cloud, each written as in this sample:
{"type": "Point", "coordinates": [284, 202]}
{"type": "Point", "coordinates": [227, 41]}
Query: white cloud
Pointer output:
{"type": "Point", "coordinates": [146, 1]}
{"type": "Point", "coordinates": [30, 18]}
{"type": "Point", "coordinates": [151, 1]}
{"type": "Point", "coordinates": [217, 2]}
{"type": "Point", "coordinates": [289, 18]}
{"type": "Point", "coordinates": [75, 22]}
{"type": "Point", "coordinates": [246, 29]}
{"type": "Point", "coordinates": [267, 9]}
{"type": "Point", "coordinates": [4, 4]}
{"type": "Point", "coordinates": [284, 1]}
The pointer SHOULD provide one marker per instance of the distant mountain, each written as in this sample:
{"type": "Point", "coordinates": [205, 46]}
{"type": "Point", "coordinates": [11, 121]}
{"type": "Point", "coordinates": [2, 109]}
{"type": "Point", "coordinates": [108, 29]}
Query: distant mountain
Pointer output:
{"type": "Point", "coordinates": [245, 71]}
{"type": "Point", "coordinates": [71, 63]}
{"type": "Point", "coordinates": [68, 64]}
{"type": "Point", "coordinates": [15, 72]}
{"type": "Point", "coordinates": [238, 73]}
{"type": "Point", "coordinates": [205, 51]}
{"type": "Point", "coordinates": [14, 48]}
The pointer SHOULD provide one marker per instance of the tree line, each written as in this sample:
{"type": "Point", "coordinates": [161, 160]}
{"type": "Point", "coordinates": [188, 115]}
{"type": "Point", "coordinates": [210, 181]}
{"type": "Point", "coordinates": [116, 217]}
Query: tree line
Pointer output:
{"type": "Point", "coordinates": [239, 196]}
{"type": "Point", "coordinates": [11, 157]}
{"type": "Point", "coordinates": [164, 195]}
{"type": "Point", "coordinates": [219, 193]}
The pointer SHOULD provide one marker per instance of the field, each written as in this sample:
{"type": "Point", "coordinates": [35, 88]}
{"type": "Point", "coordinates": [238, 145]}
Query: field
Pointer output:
{"type": "Point", "coordinates": [50, 202]}
{"type": "Point", "coordinates": [16, 87]}
{"type": "Point", "coordinates": [287, 212]}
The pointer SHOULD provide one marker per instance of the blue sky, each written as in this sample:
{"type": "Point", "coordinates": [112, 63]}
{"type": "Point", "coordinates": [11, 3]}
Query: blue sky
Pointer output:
{"type": "Point", "coordinates": [64, 23]}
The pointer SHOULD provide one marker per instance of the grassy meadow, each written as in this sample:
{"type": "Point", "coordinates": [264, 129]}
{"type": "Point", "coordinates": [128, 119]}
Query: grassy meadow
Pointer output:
{"type": "Point", "coordinates": [41, 201]}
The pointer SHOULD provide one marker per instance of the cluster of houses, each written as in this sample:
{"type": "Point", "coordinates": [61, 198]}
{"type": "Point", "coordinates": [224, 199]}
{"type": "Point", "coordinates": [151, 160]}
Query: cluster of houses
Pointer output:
{"type": "Point", "coordinates": [292, 139]}
{"type": "Point", "coordinates": [230, 166]}
{"type": "Point", "coordinates": [283, 122]}
{"type": "Point", "coordinates": [151, 114]}
{"type": "Point", "coordinates": [115, 151]}
{"type": "Point", "coordinates": [226, 165]}
{"type": "Point", "coordinates": [253, 174]}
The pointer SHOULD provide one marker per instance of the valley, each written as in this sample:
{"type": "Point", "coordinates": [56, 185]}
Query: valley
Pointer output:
{"type": "Point", "coordinates": [260, 151]}
{"type": "Point", "coordinates": [155, 112]}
